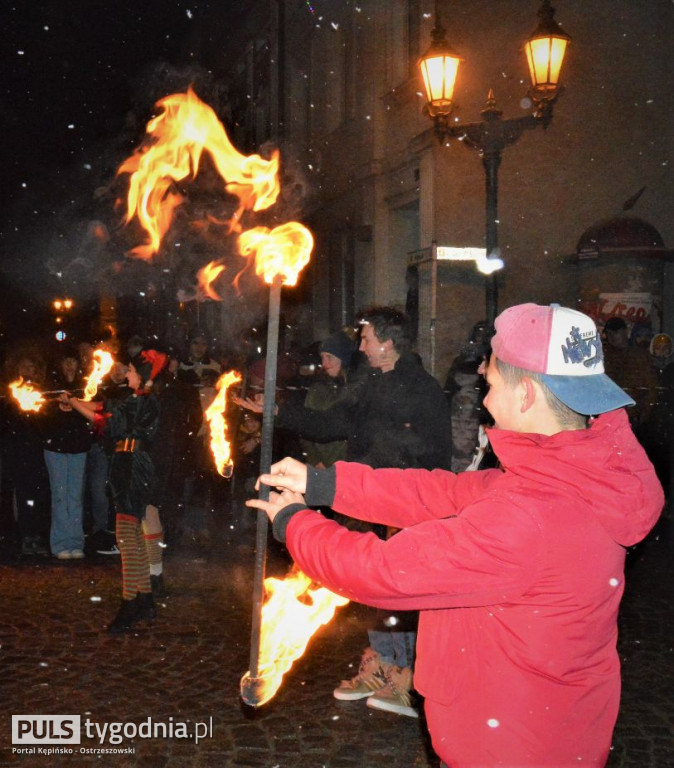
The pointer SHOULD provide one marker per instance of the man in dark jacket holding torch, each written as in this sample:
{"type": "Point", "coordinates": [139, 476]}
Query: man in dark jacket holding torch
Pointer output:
{"type": "Point", "coordinates": [394, 414]}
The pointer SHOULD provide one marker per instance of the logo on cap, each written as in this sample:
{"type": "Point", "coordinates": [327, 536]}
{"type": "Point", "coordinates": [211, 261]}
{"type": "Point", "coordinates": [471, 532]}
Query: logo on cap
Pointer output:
{"type": "Point", "coordinates": [587, 351]}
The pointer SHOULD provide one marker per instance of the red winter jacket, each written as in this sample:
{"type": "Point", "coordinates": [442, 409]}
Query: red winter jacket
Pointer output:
{"type": "Point", "coordinates": [518, 574]}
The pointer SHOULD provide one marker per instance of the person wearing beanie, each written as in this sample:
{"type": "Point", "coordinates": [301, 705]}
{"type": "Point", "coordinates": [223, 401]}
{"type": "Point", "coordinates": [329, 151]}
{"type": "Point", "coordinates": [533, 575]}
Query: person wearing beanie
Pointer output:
{"type": "Point", "coordinates": [341, 346]}
{"type": "Point", "coordinates": [336, 352]}
{"type": "Point", "coordinates": [517, 571]}
{"type": "Point", "coordinates": [132, 423]}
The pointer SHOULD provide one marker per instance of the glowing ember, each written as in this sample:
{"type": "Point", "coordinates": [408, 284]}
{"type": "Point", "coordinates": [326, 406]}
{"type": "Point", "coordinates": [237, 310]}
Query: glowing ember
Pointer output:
{"type": "Point", "coordinates": [103, 362]}
{"type": "Point", "coordinates": [220, 446]}
{"type": "Point", "coordinates": [28, 398]}
{"type": "Point", "coordinates": [294, 609]}
{"type": "Point", "coordinates": [207, 276]}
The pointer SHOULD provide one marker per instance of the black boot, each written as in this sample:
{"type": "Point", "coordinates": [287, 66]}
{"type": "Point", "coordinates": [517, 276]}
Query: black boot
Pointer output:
{"type": "Point", "coordinates": [158, 586]}
{"type": "Point", "coordinates": [126, 616]}
{"type": "Point", "coordinates": [145, 607]}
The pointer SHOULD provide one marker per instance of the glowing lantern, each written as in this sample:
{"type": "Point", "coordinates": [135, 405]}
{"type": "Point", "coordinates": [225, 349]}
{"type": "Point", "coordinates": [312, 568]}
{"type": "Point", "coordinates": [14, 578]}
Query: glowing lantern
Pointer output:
{"type": "Point", "coordinates": [545, 52]}
{"type": "Point", "coordinates": [439, 67]}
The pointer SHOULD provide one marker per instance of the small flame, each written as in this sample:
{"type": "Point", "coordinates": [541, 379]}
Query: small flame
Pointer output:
{"type": "Point", "coordinates": [102, 364]}
{"type": "Point", "coordinates": [28, 398]}
{"type": "Point", "coordinates": [294, 610]}
{"type": "Point", "coordinates": [220, 446]}
{"type": "Point", "coordinates": [207, 276]}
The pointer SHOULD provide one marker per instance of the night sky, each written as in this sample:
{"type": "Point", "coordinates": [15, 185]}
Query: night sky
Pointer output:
{"type": "Point", "coordinates": [72, 73]}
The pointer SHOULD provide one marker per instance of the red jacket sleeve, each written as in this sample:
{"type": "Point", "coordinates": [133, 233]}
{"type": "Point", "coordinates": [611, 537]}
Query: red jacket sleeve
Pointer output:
{"type": "Point", "coordinates": [489, 554]}
{"type": "Point", "coordinates": [404, 497]}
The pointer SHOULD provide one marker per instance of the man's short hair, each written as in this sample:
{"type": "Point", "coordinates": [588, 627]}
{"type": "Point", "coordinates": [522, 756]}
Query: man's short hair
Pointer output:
{"type": "Point", "coordinates": [389, 323]}
{"type": "Point", "coordinates": [567, 418]}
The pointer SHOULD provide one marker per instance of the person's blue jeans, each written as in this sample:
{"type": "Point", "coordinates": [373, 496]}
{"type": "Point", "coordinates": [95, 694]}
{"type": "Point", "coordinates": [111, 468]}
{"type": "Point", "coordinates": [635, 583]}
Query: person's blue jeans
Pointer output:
{"type": "Point", "coordinates": [394, 647]}
{"type": "Point", "coordinates": [66, 479]}
{"type": "Point", "coordinates": [97, 484]}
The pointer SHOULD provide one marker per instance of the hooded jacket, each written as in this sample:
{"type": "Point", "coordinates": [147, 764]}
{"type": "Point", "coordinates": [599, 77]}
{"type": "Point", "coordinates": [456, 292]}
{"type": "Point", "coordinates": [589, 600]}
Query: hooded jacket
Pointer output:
{"type": "Point", "coordinates": [518, 573]}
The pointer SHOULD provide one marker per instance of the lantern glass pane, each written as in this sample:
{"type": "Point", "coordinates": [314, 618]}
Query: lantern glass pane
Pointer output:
{"type": "Point", "coordinates": [557, 51]}
{"type": "Point", "coordinates": [439, 73]}
{"type": "Point", "coordinates": [545, 56]}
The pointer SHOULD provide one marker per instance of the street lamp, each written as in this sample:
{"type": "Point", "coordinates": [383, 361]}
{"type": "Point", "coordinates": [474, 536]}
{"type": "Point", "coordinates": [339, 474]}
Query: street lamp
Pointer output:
{"type": "Point", "coordinates": [61, 308]}
{"type": "Point", "coordinates": [545, 50]}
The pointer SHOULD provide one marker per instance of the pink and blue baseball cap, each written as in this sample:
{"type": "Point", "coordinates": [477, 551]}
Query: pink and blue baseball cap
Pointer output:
{"type": "Point", "coordinates": [564, 346]}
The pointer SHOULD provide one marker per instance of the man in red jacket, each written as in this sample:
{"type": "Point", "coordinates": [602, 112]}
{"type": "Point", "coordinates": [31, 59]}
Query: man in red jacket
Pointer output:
{"type": "Point", "coordinates": [518, 572]}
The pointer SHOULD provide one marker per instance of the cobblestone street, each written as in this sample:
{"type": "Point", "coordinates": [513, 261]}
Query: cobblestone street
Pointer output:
{"type": "Point", "coordinates": [57, 659]}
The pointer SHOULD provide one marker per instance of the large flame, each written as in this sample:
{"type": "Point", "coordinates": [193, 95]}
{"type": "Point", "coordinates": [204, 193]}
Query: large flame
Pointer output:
{"type": "Point", "coordinates": [220, 446]}
{"type": "Point", "coordinates": [28, 398]}
{"type": "Point", "coordinates": [294, 609]}
{"type": "Point", "coordinates": [103, 362]}
{"type": "Point", "coordinates": [180, 134]}
{"type": "Point", "coordinates": [184, 129]}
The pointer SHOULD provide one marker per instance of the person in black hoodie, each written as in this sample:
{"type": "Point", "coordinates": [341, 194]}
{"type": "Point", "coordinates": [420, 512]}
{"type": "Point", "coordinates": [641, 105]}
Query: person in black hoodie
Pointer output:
{"type": "Point", "coordinates": [66, 438]}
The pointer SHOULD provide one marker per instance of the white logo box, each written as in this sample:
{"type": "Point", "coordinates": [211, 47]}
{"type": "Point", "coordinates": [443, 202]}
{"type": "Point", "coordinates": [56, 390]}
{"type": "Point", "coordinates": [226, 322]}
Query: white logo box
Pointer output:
{"type": "Point", "coordinates": [45, 729]}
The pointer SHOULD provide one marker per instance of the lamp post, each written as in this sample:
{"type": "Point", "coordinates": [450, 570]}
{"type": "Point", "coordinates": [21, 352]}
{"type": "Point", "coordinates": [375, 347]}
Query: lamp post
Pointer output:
{"type": "Point", "coordinates": [62, 309]}
{"type": "Point", "coordinates": [545, 50]}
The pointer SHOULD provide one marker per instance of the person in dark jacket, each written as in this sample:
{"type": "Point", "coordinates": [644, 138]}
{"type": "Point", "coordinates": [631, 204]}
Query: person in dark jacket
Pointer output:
{"type": "Point", "coordinates": [24, 472]}
{"type": "Point", "coordinates": [67, 439]}
{"type": "Point", "coordinates": [174, 452]}
{"type": "Point", "coordinates": [330, 387]}
{"type": "Point", "coordinates": [394, 415]}
{"type": "Point", "coordinates": [133, 424]}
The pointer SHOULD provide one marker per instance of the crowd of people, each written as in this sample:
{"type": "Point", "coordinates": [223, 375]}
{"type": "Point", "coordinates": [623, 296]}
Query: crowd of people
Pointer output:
{"type": "Point", "coordinates": [486, 518]}
{"type": "Point", "coordinates": [115, 476]}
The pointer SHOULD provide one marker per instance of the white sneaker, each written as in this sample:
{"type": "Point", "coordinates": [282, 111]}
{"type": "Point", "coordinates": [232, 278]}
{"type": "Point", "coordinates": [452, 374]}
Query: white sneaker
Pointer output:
{"type": "Point", "coordinates": [370, 678]}
{"type": "Point", "coordinates": [65, 555]}
{"type": "Point", "coordinates": [395, 695]}
{"type": "Point", "coordinates": [76, 554]}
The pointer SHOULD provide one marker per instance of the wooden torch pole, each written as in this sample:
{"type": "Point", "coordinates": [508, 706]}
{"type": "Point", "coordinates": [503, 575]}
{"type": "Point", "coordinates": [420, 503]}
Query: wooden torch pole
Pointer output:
{"type": "Point", "coordinates": [249, 689]}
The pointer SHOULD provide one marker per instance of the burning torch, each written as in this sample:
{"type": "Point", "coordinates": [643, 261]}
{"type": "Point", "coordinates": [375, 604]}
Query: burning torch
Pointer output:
{"type": "Point", "coordinates": [183, 129]}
